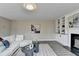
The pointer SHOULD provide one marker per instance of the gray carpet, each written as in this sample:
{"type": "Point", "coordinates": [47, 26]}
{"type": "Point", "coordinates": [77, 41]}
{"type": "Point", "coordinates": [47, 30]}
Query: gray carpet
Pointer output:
{"type": "Point", "coordinates": [58, 48]}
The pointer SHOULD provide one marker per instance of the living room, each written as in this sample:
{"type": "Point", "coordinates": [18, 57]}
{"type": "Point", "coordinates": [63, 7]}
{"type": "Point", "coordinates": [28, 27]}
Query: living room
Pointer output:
{"type": "Point", "coordinates": [25, 23]}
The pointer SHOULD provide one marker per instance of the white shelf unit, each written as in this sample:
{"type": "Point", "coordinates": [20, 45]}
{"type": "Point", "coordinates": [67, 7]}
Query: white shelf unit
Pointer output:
{"type": "Point", "coordinates": [62, 36]}
{"type": "Point", "coordinates": [70, 22]}
{"type": "Point", "coordinates": [60, 26]}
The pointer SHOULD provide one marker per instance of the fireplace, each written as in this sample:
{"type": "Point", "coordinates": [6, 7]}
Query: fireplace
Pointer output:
{"type": "Point", "coordinates": [75, 43]}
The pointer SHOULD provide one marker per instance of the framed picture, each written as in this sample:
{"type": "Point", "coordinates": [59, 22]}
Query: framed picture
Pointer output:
{"type": "Point", "coordinates": [35, 28]}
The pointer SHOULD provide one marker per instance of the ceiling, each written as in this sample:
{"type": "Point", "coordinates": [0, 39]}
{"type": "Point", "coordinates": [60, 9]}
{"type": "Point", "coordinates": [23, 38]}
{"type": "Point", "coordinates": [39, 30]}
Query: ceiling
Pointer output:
{"type": "Point", "coordinates": [44, 11]}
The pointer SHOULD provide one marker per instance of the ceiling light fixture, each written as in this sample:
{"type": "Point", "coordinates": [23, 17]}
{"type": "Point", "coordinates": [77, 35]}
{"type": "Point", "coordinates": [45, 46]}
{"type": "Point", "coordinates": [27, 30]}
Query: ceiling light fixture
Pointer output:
{"type": "Point", "coordinates": [30, 6]}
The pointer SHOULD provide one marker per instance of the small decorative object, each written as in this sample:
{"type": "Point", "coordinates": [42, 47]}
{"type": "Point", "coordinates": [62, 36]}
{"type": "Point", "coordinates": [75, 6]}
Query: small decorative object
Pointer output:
{"type": "Point", "coordinates": [35, 28]}
{"type": "Point", "coordinates": [63, 17]}
{"type": "Point", "coordinates": [75, 20]}
{"type": "Point", "coordinates": [63, 30]}
{"type": "Point", "coordinates": [59, 31]}
{"type": "Point", "coordinates": [63, 26]}
{"type": "Point", "coordinates": [70, 24]}
{"type": "Point", "coordinates": [36, 46]}
{"type": "Point", "coordinates": [58, 21]}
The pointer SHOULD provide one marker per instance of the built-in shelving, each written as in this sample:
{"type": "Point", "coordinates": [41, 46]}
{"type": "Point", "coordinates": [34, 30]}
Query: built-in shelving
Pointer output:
{"type": "Point", "coordinates": [66, 25]}
{"type": "Point", "coordinates": [60, 26]}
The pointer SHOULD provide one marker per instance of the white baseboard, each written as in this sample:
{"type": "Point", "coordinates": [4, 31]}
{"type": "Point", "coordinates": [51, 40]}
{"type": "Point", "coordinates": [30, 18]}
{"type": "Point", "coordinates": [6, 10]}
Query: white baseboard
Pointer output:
{"type": "Point", "coordinates": [46, 39]}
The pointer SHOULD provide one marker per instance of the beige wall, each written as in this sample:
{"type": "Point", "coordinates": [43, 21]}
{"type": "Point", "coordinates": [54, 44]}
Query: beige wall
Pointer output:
{"type": "Point", "coordinates": [4, 27]}
{"type": "Point", "coordinates": [23, 27]}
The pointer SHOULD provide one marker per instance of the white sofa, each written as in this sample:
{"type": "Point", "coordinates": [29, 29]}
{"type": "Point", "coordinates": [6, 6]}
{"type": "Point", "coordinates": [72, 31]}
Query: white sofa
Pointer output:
{"type": "Point", "coordinates": [9, 51]}
{"type": "Point", "coordinates": [15, 43]}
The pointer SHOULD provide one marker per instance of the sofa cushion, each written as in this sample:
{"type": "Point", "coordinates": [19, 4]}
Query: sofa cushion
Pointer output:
{"type": "Point", "coordinates": [6, 43]}
{"type": "Point", "coordinates": [10, 38]}
{"type": "Point", "coordinates": [1, 43]}
{"type": "Point", "coordinates": [2, 48]}
{"type": "Point", "coordinates": [9, 51]}
{"type": "Point", "coordinates": [19, 38]}
{"type": "Point", "coordinates": [25, 43]}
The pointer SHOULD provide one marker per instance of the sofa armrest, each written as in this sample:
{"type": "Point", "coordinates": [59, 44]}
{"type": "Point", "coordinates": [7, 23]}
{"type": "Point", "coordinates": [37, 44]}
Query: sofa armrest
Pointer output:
{"type": "Point", "coordinates": [9, 51]}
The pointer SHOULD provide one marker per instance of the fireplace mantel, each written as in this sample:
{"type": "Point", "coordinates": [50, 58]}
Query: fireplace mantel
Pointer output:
{"type": "Point", "coordinates": [74, 30]}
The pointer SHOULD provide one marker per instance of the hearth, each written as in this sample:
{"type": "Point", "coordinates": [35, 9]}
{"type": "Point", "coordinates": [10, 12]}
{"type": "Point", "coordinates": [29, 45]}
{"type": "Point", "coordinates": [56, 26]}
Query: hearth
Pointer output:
{"type": "Point", "coordinates": [75, 43]}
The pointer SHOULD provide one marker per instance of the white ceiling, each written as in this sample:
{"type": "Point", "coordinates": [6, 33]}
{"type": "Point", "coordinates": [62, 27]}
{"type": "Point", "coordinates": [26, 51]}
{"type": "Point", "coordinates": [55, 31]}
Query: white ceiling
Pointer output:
{"type": "Point", "coordinates": [15, 11]}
